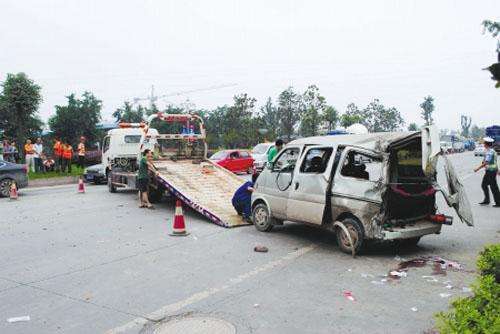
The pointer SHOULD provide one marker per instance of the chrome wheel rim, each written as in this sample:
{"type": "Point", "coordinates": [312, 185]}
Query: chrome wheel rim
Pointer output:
{"type": "Point", "coordinates": [261, 217]}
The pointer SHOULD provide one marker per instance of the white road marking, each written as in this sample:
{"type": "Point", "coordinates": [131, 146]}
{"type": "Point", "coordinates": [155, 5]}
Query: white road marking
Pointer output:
{"type": "Point", "coordinates": [199, 296]}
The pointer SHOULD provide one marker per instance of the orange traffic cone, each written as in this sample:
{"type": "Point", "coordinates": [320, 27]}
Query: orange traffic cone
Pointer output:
{"type": "Point", "coordinates": [81, 186]}
{"type": "Point", "coordinates": [13, 191]}
{"type": "Point", "coordinates": [179, 228]}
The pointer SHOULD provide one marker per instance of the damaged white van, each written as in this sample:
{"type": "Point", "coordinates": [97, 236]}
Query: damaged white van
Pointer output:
{"type": "Point", "coordinates": [376, 186]}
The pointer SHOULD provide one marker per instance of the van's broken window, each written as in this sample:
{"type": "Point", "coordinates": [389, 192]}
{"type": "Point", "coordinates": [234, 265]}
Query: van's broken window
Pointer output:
{"type": "Point", "coordinates": [286, 161]}
{"type": "Point", "coordinates": [316, 160]}
{"type": "Point", "coordinates": [362, 166]}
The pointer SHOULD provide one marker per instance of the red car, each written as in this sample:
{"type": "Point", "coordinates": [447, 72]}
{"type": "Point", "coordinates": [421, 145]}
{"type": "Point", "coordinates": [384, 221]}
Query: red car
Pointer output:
{"type": "Point", "coordinates": [237, 161]}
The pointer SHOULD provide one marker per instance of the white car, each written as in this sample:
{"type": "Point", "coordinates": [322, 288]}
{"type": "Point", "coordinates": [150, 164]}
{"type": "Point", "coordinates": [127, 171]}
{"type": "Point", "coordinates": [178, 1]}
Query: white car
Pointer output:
{"type": "Point", "coordinates": [259, 154]}
{"type": "Point", "coordinates": [479, 150]}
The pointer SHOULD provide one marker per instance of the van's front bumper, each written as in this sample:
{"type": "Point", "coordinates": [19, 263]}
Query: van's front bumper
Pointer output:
{"type": "Point", "coordinates": [418, 229]}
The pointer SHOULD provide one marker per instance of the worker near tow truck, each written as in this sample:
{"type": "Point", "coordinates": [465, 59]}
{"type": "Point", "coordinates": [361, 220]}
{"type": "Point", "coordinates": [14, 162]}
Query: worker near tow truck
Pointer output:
{"type": "Point", "coordinates": [145, 165]}
{"type": "Point", "coordinates": [490, 175]}
{"type": "Point", "coordinates": [81, 152]}
{"type": "Point", "coordinates": [67, 156]}
{"type": "Point", "coordinates": [242, 199]}
{"type": "Point", "coordinates": [58, 153]}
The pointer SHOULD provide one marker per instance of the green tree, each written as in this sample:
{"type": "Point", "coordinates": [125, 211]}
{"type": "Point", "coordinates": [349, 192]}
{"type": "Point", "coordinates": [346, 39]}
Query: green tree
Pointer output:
{"type": "Point", "coordinates": [79, 117]}
{"type": "Point", "coordinates": [19, 102]}
{"type": "Point", "coordinates": [313, 105]}
{"type": "Point", "coordinates": [465, 123]}
{"type": "Point", "coordinates": [493, 28]}
{"type": "Point", "coordinates": [476, 132]}
{"type": "Point", "coordinates": [240, 130]}
{"type": "Point", "coordinates": [427, 110]}
{"type": "Point", "coordinates": [351, 116]}
{"type": "Point", "coordinates": [127, 113]}
{"type": "Point", "coordinates": [413, 127]}
{"type": "Point", "coordinates": [270, 119]}
{"type": "Point", "coordinates": [289, 111]}
{"type": "Point", "coordinates": [378, 118]}
{"type": "Point", "coordinates": [331, 117]}
{"type": "Point", "coordinates": [216, 126]}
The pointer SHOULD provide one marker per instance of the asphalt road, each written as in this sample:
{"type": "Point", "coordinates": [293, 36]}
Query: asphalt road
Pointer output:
{"type": "Point", "coordinates": [95, 262]}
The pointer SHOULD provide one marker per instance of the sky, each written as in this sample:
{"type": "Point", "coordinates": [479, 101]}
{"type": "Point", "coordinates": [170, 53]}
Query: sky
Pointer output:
{"type": "Point", "coordinates": [354, 51]}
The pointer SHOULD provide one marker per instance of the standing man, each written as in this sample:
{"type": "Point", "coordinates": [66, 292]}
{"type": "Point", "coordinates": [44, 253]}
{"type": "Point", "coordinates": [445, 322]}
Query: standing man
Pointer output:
{"type": "Point", "coordinates": [145, 164]}
{"type": "Point", "coordinates": [29, 152]}
{"type": "Point", "coordinates": [38, 147]}
{"type": "Point", "coordinates": [278, 145]}
{"type": "Point", "coordinates": [67, 155]}
{"type": "Point", "coordinates": [490, 175]}
{"type": "Point", "coordinates": [81, 152]}
{"type": "Point", "coordinates": [58, 154]}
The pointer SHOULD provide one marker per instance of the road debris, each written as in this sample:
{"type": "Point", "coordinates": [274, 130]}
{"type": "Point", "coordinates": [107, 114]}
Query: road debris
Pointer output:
{"type": "Point", "coordinates": [19, 319]}
{"type": "Point", "coordinates": [414, 309]}
{"type": "Point", "coordinates": [256, 305]}
{"type": "Point", "coordinates": [439, 265]}
{"type": "Point", "coordinates": [348, 295]}
{"type": "Point", "coordinates": [261, 249]}
{"type": "Point", "coordinates": [444, 295]}
{"type": "Point", "coordinates": [466, 289]}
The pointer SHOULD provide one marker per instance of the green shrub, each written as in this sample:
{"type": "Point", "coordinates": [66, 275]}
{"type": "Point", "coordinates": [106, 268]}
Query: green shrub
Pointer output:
{"type": "Point", "coordinates": [489, 261]}
{"type": "Point", "coordinates": [480, 312]}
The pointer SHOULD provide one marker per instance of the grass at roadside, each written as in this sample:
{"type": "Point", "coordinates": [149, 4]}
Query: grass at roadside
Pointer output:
{"type": "Point", "coordinates": [75, 171]}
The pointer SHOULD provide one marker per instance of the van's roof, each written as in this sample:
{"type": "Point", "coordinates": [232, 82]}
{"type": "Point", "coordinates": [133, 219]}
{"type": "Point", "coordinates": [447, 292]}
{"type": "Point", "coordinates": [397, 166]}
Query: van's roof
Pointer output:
{"type": "Point", "coordinates": [373, 141]}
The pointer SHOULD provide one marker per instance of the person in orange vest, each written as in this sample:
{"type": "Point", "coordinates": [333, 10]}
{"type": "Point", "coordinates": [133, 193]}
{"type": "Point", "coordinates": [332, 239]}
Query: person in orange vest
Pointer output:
{"type": "Point", "coordinates": [81, 152]}
{"type": "Point", "coordinates": [58, 154]}
{"type": "Point", "coordinates": [29, 152]}
{"type": "Point", "coordinates": [67, 155]}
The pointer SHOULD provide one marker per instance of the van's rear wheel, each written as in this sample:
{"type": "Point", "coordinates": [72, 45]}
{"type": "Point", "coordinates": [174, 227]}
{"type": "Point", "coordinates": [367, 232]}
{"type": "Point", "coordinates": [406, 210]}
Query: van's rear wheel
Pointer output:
{"type": "Point", "coordinates": [356, 233]}
{"type": "Point", "coordinates": [262, 218]}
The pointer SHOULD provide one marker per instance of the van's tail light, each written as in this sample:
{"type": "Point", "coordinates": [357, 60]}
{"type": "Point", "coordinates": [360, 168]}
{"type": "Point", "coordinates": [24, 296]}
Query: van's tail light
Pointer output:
{"type": "Point", "coordinates": [441, 219]}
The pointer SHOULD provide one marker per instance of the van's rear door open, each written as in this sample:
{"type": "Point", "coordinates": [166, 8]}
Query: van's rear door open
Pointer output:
{"type": "Point", "coordinates": [456, 197]}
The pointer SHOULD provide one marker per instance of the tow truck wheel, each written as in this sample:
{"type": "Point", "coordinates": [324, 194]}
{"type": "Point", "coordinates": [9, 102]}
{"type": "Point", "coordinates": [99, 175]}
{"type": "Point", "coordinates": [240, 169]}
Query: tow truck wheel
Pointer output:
{"type": "Point", "coordinates": [261, 218]}
{"type": "Point", "coordinates": [155, 195]}
{"type": "Point", "coordinates": [111, 187]}
{"type": "Point", "coordinates": [355, 231]}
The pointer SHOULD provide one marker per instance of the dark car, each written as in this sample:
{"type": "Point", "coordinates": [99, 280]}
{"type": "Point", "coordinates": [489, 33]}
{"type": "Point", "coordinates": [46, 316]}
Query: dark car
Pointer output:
{"type": "Point", "coordinates": [95, 174]}
{"type": "Point", "coordinates": [9, 173]}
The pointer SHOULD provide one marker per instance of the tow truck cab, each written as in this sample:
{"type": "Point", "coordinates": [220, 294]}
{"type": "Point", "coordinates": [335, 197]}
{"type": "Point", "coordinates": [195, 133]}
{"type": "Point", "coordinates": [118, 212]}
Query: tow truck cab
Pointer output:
{"type": "Point", "coordinates": [377, 186]}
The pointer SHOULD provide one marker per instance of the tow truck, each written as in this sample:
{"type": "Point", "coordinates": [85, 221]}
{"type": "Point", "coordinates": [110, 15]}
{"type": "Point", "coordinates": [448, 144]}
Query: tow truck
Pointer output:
{"type": "Point", "coordinates": [180, 155]}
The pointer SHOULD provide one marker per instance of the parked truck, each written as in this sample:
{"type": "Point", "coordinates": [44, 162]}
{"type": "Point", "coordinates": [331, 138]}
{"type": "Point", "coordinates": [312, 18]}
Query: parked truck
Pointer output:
{"type": "Point", "coordinates": [181, 159]}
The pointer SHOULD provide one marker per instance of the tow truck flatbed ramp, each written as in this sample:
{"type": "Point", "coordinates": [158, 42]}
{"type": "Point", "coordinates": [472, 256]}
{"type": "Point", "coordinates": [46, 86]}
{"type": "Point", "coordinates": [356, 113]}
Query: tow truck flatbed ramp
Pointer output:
{"type": "Point", "coordinates": [205, 187]}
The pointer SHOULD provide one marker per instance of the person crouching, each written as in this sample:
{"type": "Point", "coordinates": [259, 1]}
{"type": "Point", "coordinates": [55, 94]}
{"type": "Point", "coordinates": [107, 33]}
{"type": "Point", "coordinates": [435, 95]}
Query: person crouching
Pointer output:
{"type": "Point", "coordinates": [242, 198]}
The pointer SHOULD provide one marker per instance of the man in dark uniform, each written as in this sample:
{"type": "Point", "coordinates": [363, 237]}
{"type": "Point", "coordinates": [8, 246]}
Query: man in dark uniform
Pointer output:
{"type": "Point", "coordinates": [490, 175]}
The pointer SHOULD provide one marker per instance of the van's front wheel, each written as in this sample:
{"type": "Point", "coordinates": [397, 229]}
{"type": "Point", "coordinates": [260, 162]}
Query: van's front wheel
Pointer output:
{"type": "Point", "coordinates": [355, 232]}
{"type": "Point", "coordinates": [262, 218]}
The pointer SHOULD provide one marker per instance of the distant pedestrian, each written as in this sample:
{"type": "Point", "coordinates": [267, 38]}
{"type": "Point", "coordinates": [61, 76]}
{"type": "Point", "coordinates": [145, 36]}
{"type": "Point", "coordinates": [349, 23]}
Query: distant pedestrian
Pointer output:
{"type": "Point", "coordinates": [278, 145]}
{"type": "Point", "coordinates": [48, 163]}
{"type": "Point", "coordinates": [38, 147]}
{"type": "Point", "coordinates": [4, 150]}
{"type": "Point", "coordinates": [81, 152]}
{"type": "Point", "coordinates": [67, 155]}
{"type": "Point", "coordinates": [490, 175]}
{"type": "Point", "coordinates": [242, 198]}
{"type": "Point", "coordinates": [145, 165]}
{"type": "Point", "coordinates": [58, 153]}
{"type": "Point", "coordinates": [29, 154]}
{"type": "Point", "coordinates": [13, 152]}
